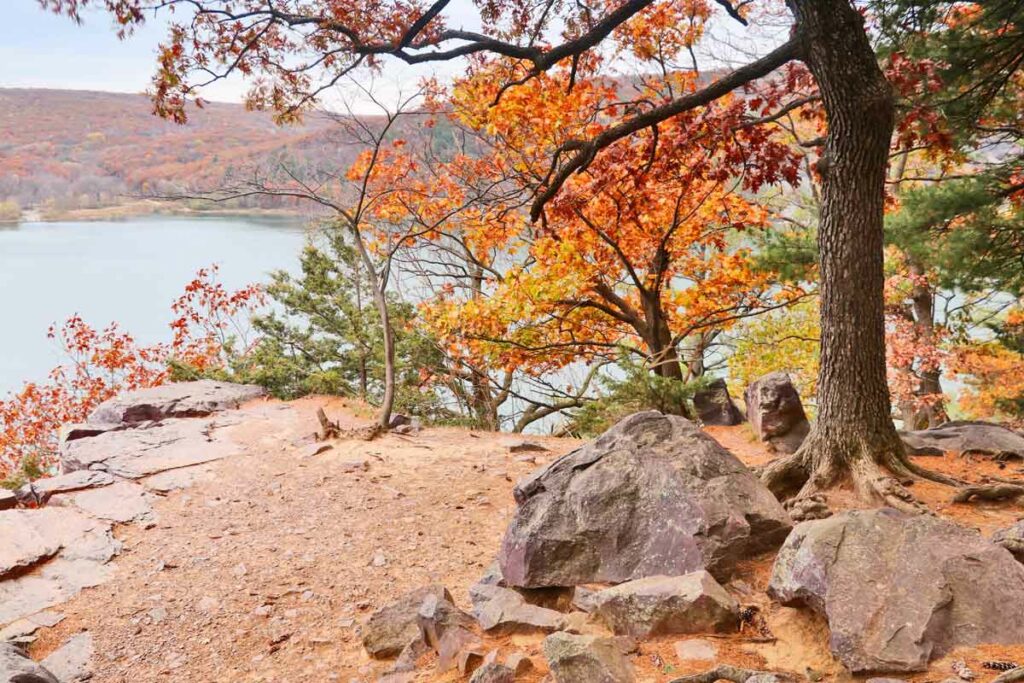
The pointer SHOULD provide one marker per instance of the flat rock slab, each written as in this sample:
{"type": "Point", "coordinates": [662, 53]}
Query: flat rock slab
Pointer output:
{"type": "Point", "coordinates": [17, 667]}
{"type": "Point", "coordinates": [899, 590]}
{"type": "Point", "coordinates": [178, 479]}
{"type": "Point", "coordinates": [122, 502]}
{"type": "Point", "coordinates": [40, 490]}
{"type": "Point", "coordinates": [965, 438]}
{"type": "Point", "coordinates": [652, 496]}
{"type": "Point", "coordinates": [23, 629]}
{"type": "Point", "coordinates": [182, 399]}
{"type": "Point", "coordinates": [157, 447]}
{"type": "Point", "coordinates": [65, 549]}
{"type": "Point", "coordinates": [659, 605]}
{"type": "Point", "coordinates": [72, 661]}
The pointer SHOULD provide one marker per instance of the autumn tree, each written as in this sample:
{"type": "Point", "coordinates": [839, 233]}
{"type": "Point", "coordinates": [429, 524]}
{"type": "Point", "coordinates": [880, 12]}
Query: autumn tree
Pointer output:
{"type": "Point", "coordinates": [296, 50]}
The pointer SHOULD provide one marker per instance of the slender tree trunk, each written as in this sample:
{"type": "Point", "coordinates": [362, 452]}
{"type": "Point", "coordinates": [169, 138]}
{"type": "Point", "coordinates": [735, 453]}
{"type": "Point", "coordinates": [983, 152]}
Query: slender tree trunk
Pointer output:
{"type": "Point", "coordinates": [854, 433]}
{"type": "Point", "coordinates": [928, 411]}
{"type": "Point", "coordinates": [381, 301]}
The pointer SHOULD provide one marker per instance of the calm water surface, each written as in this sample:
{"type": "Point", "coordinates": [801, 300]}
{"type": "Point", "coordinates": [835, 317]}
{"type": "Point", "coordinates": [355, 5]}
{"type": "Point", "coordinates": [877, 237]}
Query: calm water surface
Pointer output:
{"type": "Point", "coordinates": [128, 270]}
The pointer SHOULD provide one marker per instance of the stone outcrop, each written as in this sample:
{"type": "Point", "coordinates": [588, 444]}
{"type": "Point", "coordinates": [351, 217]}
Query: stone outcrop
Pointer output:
{"type": "Point", "coordinates": [586, 659]}
{"type": "Point", "coordinates": [652, 496]}
{"type": "Point", "coordinates": [135, 453]}
{"type": "Point", "coordinates": [493, 672]}
{"type": "Point", "coordinates": [659, 605]}
{"type": "Point", "coordinates": [715, 406]}
{"type": "Point", "coordinates": [1011, 538]}
{"type": "Point", "coordinates": [38, 492]}
{"type": "Point", "coordinates": [965, 438]}
{"type": "Point", "coordinates": [182, 399]}
{"type": "Point", "coordinates": [17, 667]}
{"type": "Point", "coordinates": [899, 590]}
{"type": "Point", "coordinates": [776, 413]}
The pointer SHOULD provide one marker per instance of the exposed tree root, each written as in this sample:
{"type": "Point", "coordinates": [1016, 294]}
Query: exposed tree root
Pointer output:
{"type": "Point", "coordinates": [879, 470]}
{"type": "Point", "coordinates": [724, 672]}
{"type": "Point", "coordinates": [988, 492]}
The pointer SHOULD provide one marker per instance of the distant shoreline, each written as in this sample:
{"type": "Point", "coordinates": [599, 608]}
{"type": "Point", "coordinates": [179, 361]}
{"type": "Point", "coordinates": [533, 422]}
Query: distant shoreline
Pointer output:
{"type": "Point", "coordinates": [143, 208]}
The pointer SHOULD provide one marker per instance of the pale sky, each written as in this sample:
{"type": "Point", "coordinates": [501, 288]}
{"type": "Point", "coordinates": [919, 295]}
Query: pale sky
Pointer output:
{"type": "Point", "coordinates": [40, 50]}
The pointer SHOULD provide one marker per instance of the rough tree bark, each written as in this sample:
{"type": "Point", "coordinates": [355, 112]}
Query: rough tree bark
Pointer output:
{"type": "Point", "coordinates": [853, 436]}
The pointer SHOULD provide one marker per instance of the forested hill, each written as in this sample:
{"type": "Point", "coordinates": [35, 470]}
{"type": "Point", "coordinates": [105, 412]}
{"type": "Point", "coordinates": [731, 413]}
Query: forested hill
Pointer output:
{"type": "Point", "coordinates": [68, 149]}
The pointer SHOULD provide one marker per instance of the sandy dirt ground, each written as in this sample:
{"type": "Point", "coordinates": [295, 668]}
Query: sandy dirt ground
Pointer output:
{"type": "Point", "coordinates": [265, 568]}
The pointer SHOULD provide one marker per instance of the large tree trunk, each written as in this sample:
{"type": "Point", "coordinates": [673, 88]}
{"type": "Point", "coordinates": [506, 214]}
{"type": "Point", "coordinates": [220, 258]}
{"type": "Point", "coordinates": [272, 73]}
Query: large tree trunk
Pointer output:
{"type": "Point", "coordinates": [854, 432]}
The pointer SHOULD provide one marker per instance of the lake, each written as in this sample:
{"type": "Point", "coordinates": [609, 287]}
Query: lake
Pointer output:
{"type": "Point", "coordinates": [129, 271]}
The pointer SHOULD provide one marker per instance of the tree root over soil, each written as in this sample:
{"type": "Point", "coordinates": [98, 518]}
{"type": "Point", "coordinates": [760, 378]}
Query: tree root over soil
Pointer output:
{"type": "Point", "coordinates": [1011, 676]}
{"type": "Point", "coordinates": [1001, 491]}
{"type": "Point", "coordinates": [725, 672]}
{"type": "Point", "coordinates": [879, 469]}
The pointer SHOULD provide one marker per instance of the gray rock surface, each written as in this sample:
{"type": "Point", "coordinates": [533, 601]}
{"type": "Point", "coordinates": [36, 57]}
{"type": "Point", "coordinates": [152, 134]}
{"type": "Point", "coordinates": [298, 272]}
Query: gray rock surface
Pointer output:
{"type": "Point", "coordinates": [965, 438]}
{"type": "Point", "coordinates": [586, 659]}
{"type": "Point", "coordinates": [503, 609]}
{"type": "Point", "coordinates": [67, 549]}
{"type": "Point", "coordinates": [17, 667]}
{"type": "Point", "coordinates": [776, 413]}
{"type": "Point", "coordinates": [150, 449]}
{"type": "Point", "coordinates": [40, 490]}
{"type": "Point", "coordinates": [182, 399]}
{"type": "Point", "coordinates": [715, 406]}
{"type": "Point", "coordinates": [72, 661]}
{"type": "Point", "coordinates": [659, 605]}
{"type": "Point", "coordinates": [899, 590]}
{"type": "Point", "coordinates": [122, 502]}
{"type": "Point", "coordinates": [390, 629]}
{"type": "Point", "coordinates": [1011, 538]}
{"type": "Point", "coordinates": [654, 495]}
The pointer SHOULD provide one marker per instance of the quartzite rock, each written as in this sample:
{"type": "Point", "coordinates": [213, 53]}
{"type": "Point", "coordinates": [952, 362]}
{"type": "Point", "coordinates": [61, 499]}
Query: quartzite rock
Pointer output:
{"type": "Point", "coordinates": [899, 590]}
{"type": "Point", "coordinates": [586, 659]}
{"type": "Point", "coordinates": [182, 399]}
{"type": "Point", "coordinates": [659, 605]}
{"type": "Point", "coordinates": [715, 406]}
{"type": "Point", "coordinates": [72, 661]}
{"type": "Point", "coordinates": [965, 438]}
{"type": "Point", "coordinates": [776, 413]}
{"type": "Point", "coordinates": [17, 667]}
{"type": "Point", "coordinates": [503, 609]}
{"type": "Point", "coordinates": [390, 629]}
{"type": "Point", "coordinates": [654, 495]}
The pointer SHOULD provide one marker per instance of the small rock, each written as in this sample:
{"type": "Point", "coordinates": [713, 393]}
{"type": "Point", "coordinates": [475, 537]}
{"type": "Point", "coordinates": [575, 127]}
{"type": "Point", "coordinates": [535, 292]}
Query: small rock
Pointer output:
{"type": "Point", "coordinates": [526, 447]}
{"type": "Point", "coordinates": [1011, 538]}
{"type": "Point", "coordinates": [390, 629]}
{"type": "Point", "coordinates": [379, 560]}
{"type": "Point", "coordinates": [360, 465]}
{"type": "Point", "coordinates": [693, 603]}
{"type": "Point", "coordinates": [586, 659]}
{"type": "Point", "coordinates": [519, 663]}
{"type": "Point", "coordinates": [583, 599]}
{"type": "Point", "coordinates": [469, 660]}
{"type": "Point", "coordinates": [410, 655]}
{"type": "Point", "coordinates": [776, 413]}
{"type": "Point", "coordinates": [505, 610]}
{"type": "Point", "coordinates": [696, 648]}
{"type": "Point", "coordinates": [715, 406]}
{"type": "Point", "coordinates": [493, 673]}
{"type": "Point", "coordinates": [207, 604]}
{"type": "Point", "coordinates": [315, 449]}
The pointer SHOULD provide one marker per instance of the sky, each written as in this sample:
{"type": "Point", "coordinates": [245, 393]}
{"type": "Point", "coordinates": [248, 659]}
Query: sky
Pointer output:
{"type": "Point", "coordinates": [41, 50]}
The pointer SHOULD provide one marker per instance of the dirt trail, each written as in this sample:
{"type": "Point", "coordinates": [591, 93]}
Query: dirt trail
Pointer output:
{"type": "Point", "coordinates": [264, 569]}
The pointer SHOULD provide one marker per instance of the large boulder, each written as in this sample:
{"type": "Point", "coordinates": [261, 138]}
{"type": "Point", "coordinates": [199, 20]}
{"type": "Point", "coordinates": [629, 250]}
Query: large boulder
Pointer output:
{"type": "Point", "coordinates": [586, 659]}
{"type": "Point", "coordinates": [17, 667]}
{"type": "Point", "coordinates": [899, 590]}
{"type": "Point", "coordinates": [659, 605]}
{"type": "Point", "coordinates": [776, 413]}
{"type": "Point", "coordinates": [715, 406]}
{"type": "Point", "coordinates": [654, 495]}
{"type": "Point", "coordinates": [183, 399]}
{"type": "Point", "coordinates": [966, 438]}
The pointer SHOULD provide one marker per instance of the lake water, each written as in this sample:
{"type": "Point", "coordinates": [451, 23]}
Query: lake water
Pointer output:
{"type": "Point", "coordinates": [129, 271]}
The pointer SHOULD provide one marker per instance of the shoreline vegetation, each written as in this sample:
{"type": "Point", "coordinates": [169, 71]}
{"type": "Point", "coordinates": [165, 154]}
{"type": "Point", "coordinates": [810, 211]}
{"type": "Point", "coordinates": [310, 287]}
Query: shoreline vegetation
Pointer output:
{"type": "Point", "coordinates": [139, 208]}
